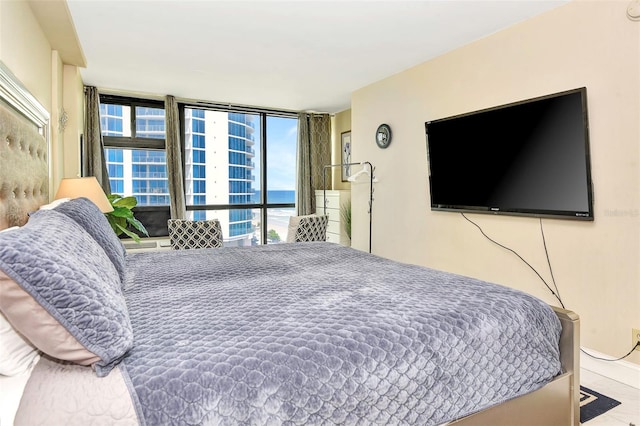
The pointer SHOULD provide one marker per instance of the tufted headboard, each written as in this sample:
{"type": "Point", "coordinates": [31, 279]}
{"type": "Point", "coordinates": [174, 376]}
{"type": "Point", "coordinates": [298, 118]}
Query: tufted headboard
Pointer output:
{"type": "Point", "coordinates": [24, 147]}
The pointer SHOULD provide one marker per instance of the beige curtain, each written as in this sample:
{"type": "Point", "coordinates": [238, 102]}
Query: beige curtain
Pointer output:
{"type": "Point", "coordinates": [314, 152]}
{"type": "Point", "coordinates": [174, 158]}
{"type": "Point", "coordinates": [93, 161]}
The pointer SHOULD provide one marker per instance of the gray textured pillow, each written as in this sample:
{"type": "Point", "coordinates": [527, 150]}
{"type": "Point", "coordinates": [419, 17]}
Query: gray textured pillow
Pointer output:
{"type": "Point", "coordinates": [55, 267]}
{"type": "Point", "coordinates": [89, 216]}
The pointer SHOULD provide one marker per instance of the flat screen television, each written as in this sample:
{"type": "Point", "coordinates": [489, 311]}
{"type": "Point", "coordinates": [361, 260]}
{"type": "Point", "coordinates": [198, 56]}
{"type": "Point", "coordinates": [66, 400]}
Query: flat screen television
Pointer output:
{"type": "Point", "coordinates": [525, 158]}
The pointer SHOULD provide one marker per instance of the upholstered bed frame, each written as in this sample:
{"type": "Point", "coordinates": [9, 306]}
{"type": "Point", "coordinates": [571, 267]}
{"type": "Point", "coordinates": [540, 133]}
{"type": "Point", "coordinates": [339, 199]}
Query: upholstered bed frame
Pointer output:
{"type": "Point", "coordinates": [24, 168]}
{"type": "Point", "coordinates": [24, 185]}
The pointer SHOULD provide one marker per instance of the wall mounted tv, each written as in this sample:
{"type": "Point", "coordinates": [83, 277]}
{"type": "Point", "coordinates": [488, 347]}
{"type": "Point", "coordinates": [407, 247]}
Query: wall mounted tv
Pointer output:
{"type": "Point", "coordinates": [526, 158]}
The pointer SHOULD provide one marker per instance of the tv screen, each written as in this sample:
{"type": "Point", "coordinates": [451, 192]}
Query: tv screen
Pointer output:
{"type": "Point", "coordinates": [526, 158]}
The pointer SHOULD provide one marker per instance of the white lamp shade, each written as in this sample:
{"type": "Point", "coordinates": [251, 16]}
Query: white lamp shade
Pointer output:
{"type": "Point", "coordinates": [84, 187]}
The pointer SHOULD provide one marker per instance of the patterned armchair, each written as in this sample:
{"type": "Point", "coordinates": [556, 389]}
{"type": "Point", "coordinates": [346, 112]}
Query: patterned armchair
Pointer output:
{"type": "Point", "coordinates": [193, 234]}
{"type": "Point", "coordinates": [307, 228]}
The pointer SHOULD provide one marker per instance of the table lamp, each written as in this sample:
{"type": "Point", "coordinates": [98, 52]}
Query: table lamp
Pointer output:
{"type": "Point", "coordinates": [84, 187]}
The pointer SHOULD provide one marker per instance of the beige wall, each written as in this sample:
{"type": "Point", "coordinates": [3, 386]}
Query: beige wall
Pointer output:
{"type": "Point", "coordinates": [73, 102]}
{"type": "Point", "coordinates": [596, 264]}
{"type": "Point", "coordinates": [56, 154]}
{"type": "Point", "coordinates": [26, 50]}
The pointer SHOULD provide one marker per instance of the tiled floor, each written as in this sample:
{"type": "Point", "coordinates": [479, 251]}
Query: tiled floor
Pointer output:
{"type": "Point", "coordinates": [625, 414]}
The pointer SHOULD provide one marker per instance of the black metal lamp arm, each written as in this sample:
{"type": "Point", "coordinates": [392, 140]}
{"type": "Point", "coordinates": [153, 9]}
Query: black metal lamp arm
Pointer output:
{"type": "Point", "coordinates": [324, 189]}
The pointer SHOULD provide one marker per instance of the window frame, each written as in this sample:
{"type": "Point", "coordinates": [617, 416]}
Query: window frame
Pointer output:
{"type": "Point", "coordinates": [263, 113]}
{"type": "Point", "coordinates": [134, 142]}
{"type": "Point", "coordinates": [145, 143]}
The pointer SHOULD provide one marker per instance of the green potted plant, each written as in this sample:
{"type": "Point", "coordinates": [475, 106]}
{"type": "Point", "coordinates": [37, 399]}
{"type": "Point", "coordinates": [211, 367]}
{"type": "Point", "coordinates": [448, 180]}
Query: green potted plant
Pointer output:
{"type": "Point", "coordinates": [345, 212]}
{"type": "Point", "coordinates": [122, 216]}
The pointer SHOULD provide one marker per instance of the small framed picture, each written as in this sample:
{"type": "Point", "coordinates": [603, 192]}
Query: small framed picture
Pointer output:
{"type": "Point", "coordinates": [345, 138]}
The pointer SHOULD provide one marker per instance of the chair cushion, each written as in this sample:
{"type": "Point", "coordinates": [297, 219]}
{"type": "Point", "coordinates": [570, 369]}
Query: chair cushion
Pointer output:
{"type": "Point", "coordinates": [307, 228]}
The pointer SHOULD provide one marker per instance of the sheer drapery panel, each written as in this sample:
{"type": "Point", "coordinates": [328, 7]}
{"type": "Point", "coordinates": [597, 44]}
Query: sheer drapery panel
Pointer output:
{"type": "Point", "coordinates": [174, 159]}
{"type": "Point", "coordinates": [93, 160]}
{"type": "Point", "coordinates": [314, 152]}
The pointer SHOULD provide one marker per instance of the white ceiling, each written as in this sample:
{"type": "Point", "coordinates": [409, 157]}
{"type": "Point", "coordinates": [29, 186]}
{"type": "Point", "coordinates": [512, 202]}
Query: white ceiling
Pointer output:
{"type": "Point", "coordinates": [292, 55]}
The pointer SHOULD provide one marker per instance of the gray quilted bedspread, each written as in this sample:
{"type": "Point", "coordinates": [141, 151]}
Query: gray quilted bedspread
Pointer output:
{"type": "Point", "coordinates": [317, 333]}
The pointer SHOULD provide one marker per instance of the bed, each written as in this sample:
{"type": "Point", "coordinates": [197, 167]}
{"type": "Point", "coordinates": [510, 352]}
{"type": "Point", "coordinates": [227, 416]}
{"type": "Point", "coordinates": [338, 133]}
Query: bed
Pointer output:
{"type": "Point", "coordinates": [301, 333]}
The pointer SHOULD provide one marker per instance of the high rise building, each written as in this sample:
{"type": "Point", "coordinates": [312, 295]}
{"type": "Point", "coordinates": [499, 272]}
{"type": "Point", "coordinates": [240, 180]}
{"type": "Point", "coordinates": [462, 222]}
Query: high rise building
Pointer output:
{"type": "Point", "coordinates": [219, 169]}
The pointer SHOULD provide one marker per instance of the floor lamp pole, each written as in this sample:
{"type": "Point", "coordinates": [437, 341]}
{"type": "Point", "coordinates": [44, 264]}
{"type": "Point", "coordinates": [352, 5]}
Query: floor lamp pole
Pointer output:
{"type": "Point", "coordinates": [324, 189]}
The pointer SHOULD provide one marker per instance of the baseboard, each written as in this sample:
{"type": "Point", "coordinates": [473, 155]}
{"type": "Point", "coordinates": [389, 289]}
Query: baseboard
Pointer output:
{"type": "Point", "coordinates": [620, 371]}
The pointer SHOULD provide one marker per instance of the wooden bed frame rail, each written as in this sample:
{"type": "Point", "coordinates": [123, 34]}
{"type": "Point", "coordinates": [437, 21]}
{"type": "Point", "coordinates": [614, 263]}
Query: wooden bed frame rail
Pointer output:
{"type": "Point", "coordinates": [557, 403]}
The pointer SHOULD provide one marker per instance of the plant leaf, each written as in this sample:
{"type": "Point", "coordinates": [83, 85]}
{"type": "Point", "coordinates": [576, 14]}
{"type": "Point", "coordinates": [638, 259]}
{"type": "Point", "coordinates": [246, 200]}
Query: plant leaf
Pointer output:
{"type": "Point", "coordinates": [138, 225]}
{"type": "Point", "coordinates": [130, 234]}
{"type": "Point", "coordinates": [122, 217]}
{"type": "Point", "coordinates": [128, 202]}
{"type": "Point", "coordinates": [121, 212]}
{"type": "Point", "coordinates": [116, 223]}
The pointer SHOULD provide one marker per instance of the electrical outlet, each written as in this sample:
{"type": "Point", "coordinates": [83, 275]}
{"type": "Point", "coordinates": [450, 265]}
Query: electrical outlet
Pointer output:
{"type": "Point", "coordinates": [635, 337]}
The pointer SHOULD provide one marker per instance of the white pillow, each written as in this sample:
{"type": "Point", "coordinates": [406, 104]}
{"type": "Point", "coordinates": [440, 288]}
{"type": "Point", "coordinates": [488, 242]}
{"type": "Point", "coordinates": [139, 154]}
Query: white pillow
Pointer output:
{"type": "Point", "coordinates": [17, 354]}
{"type": "Point", "coordinates": [55, 203]}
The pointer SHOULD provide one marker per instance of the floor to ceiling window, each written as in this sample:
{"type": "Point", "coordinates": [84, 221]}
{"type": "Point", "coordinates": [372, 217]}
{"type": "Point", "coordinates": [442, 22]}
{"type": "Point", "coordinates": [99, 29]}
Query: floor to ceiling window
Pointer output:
{"type": "Point", "coordinates": [239, 166]}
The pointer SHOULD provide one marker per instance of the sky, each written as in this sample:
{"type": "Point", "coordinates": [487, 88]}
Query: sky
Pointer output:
{"type": "Point", "coordinates": [282, 135]}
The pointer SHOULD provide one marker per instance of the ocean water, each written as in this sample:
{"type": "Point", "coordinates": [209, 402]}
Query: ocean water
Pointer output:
{"type": "Point", "coordinates": [277, 197]}
{"type": "Point", "coordinates": [278, 218]}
